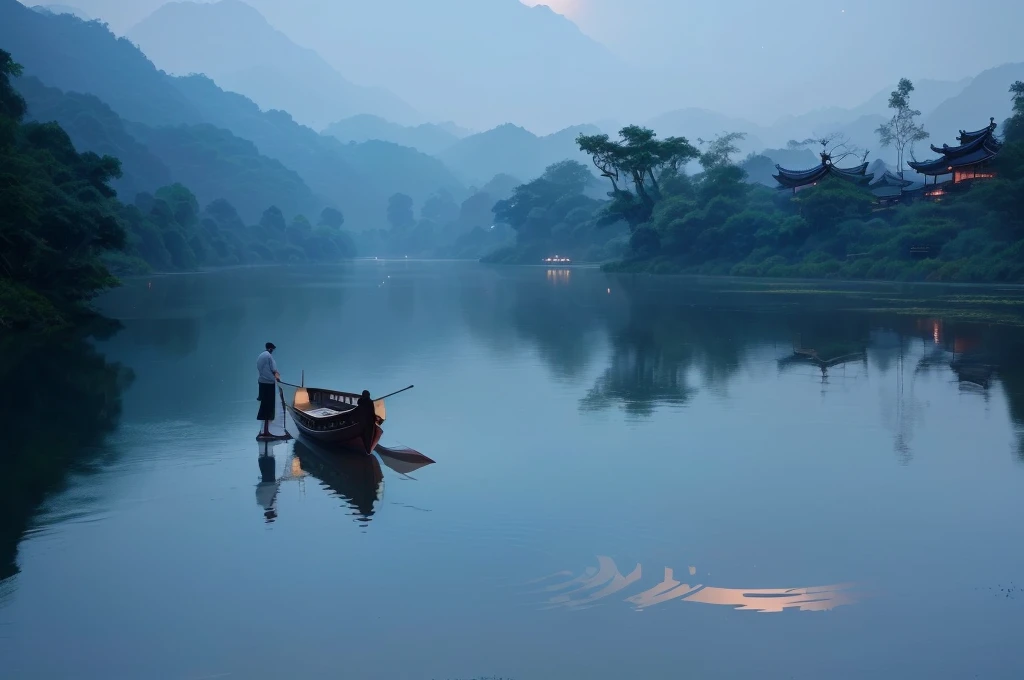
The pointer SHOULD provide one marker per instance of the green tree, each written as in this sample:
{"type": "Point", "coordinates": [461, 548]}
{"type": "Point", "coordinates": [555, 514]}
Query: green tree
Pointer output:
{"type": "Point", "coordinates": [901, 131]}
{"type": "Point", "coordinates": [332, 218]}
{"type": "Point", "coordinates": [12, 104]}
{"type": "Point", "coordinates": [57, 217]}
{"type": "Point", "coordinates": [573, 176]}
{"type": "Point", "coordinates": [638, 160]}
{"type": "Point", "coordinates": [400, 215]}
{"type": "Point", "coordinates": [1014, 131]}
{"type": "Point", "coordinates": [719, 151]}
{"type": "Point", "coordinates": [273, 220]}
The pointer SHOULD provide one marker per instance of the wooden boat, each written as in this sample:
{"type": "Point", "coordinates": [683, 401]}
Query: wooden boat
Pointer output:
{"type": "Point", "coordinates": [333, 418]}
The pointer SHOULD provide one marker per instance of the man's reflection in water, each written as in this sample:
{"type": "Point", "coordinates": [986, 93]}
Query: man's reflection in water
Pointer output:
{"type": "Point", "coordinates": [266, 490]}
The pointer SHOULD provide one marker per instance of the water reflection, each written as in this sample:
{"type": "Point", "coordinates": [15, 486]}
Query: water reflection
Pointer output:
{"type": "Point", "coordinates": [356, 479]}
{"type": "Point", "coordinates": [670, 339]}
{"type": "Point", "coordinates": [600, 583]}
{"type": "Point", "coordinates": [266, 490]}
{"type": "Point", "coordinates": [403, 460]}
{"type": "Point", "coordinates": [61, 399]}
{"type": "Point", "coordinates": [559, 277]}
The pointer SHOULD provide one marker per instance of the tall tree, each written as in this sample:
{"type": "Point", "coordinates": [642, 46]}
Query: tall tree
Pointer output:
{"type": "Point", "coordinates": [638, 159]}
{"type": "Point", "coordinates": [718, 152]}
{"type": "Point", "coordinates": [1014, 130]}
{"type": "Point", "coordinates": [902, 130]}
{"type": "Point", "coordinates": [332, 218]}
{"type": "Point", "coordinates": [273, 221]}
{"type": "Point", "coordinates": [400, 215]}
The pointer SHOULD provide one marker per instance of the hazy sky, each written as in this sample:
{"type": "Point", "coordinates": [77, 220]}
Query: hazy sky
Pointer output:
{"type": "Point", "coordinates": [758, 59]}
{"type": "Point", "coordinates": [838, 51]}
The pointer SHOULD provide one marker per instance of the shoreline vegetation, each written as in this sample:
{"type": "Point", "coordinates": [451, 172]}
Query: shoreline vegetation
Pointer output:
{"type": "Point", "coordinates": [65, 234]}
{"type": "Point", "coordinates": [660, 220]}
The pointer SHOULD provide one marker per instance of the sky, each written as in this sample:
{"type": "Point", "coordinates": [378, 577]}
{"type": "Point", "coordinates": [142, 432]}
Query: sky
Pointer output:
{"type": "Point", "coordinates": [755, 59]}
{"type": "Point", "coordinates": [838, 51]}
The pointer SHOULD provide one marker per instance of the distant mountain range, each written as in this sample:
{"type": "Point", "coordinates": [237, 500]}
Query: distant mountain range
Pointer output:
{"type": "Point", "coordinates": [373, 143]}
{"type": "Point", "coordinates": [233, 44]}
{"type": "Point", "coordinates": [71, 55]}
{"type": "Point", "coordinates": [513, 150]}
{"type": "Point", "coordinates": [479, 62]}
{"type": "Point", "coordinates": [429, 137]}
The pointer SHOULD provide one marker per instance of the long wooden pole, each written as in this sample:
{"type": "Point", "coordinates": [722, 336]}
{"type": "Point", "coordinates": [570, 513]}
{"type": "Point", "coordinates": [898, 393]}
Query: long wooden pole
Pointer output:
{"type": "Point", "coordinates": [404, 389]}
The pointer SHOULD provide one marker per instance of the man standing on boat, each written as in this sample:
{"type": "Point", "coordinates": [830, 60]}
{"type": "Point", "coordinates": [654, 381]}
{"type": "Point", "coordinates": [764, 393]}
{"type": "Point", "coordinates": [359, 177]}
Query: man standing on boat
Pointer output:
{"type": "Point", "coordinates": [268, 377]}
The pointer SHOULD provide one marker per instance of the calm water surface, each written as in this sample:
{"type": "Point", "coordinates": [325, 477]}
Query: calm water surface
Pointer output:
{"type": "Point", "coordinates": [636, 478]}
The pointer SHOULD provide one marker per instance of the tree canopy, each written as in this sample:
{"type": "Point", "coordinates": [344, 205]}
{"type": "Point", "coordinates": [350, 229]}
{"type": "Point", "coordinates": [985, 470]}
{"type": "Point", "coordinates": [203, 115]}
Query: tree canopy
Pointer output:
{"type": "Point", "coordinates": [634, 164]}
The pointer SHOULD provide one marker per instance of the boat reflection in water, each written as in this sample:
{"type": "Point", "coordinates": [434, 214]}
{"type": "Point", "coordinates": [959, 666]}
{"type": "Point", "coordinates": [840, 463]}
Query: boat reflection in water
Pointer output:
{"type": "Point", "coordinates": [356, 479]}
{"type": "Point", "coordinates": [606, 580]}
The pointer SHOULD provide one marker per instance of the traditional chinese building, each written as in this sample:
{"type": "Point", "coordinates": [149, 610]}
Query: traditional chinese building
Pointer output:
{"type": "Point", "coordinates": [801, 179]}
{"type": "Point", "coordinates": [968, 161]}
{"type": "Point", "coordinates": [890, 188]}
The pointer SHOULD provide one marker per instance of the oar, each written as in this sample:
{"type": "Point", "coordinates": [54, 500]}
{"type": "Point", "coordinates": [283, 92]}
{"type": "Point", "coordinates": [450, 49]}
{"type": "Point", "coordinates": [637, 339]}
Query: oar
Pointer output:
{"type": "Point", "coordinates": [404, 389]}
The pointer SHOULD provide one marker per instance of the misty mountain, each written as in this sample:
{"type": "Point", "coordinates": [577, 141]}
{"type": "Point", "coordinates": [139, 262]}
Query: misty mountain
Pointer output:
{"type": "Point", "coordinates": [401, 169]}
{"type": "Point", "coordinates": [233, 44]}
{"type": "Point", "coordinates": [428, 137]}
{"type": "Point", "coordinates": [480, 63]}
{"type": "Point", "coordinates": [512, 150]}
{"type": "Point", "coordinates": [72, 55]}
{"type": "Point", "coordinates": [500, 187]}
{"type": "Point", "coordinates": [94, 126]}
{"type": "Point", "coordinates": [927, 96]}
{"type": "Point", "coordinates": [988, 95]}
{"type": "Point", "coordinates": [63, 9]}
{"type": "Point", "coordinates": [329, 167]}
{"type": "Point", "coordinates": [212, 161]}
{"type": "Point", "coordinates": [697, 123]}
{"type": "Point", "coordinates": [76, 56]}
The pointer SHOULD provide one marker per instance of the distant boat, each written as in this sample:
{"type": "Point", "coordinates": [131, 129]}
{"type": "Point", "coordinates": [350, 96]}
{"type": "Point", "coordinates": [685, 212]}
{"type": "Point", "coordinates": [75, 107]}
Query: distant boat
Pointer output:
{"type": "Point", "coordinates": [557, 260]}
{"type": "Point", "coordinates": [334, 418]}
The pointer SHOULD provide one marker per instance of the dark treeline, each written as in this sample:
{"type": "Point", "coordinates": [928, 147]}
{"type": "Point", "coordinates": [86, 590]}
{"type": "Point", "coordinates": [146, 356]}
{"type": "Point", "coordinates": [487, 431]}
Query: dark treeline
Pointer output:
{"type": "Point", "coordinates": [657, 218]}
{"type": "Point", "coordinates": [65, 233]}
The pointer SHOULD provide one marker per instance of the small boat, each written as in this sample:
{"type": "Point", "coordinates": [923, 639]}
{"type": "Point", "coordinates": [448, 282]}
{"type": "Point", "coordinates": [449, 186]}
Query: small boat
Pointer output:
{"type": "Point", "coordinates": [333, 418]}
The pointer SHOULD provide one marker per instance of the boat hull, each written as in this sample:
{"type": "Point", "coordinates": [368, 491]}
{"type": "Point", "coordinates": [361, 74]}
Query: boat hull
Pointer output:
{"type": "Point", "coordinates": [353, 438]}
{"type": "Point", "coordinates": [318, 418]}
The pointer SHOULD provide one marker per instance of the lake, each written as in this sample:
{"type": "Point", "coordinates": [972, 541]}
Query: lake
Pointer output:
{"type": "Point", "coordinates": [636, 477]}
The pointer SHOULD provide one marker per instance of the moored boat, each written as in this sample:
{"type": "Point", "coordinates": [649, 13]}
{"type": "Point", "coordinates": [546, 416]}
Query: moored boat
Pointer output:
{"type": "Point", "coordinates": [335, 418]}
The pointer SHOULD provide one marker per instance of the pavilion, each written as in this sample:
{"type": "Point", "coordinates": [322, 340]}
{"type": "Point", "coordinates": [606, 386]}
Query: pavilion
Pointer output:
{"type": "Point", "coordinates": [890, 188]}
{"type": "Point", "coordinates": [801, 179]}
{"type": "Point", "coordinates": [968, 161]}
